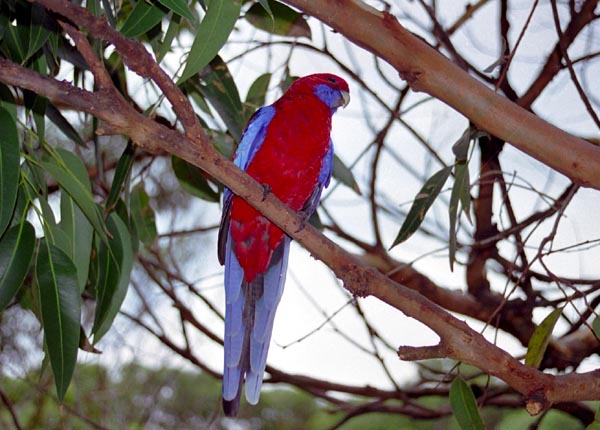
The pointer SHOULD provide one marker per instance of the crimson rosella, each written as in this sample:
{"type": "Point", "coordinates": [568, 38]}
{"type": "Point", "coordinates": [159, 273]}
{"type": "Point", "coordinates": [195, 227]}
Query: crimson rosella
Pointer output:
{"type": "Point", "coordinates": [286, 147]}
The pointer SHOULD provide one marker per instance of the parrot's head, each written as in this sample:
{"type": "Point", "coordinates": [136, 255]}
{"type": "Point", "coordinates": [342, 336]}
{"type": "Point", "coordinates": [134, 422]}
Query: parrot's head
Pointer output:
{"type": "Point", "coordinates": [330, 89]}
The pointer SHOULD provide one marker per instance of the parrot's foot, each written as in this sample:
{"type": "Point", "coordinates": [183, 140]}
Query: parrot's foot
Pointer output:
{"type": "Point", "coordinates": [266, 191]}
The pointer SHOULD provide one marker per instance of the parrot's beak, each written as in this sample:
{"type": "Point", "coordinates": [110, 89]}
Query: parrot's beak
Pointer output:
{"type": "Point", "coordinates": [345, 99]}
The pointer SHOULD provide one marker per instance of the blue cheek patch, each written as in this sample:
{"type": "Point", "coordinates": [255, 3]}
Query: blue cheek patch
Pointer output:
{"type": "Point", "coordinates": [328, 95]}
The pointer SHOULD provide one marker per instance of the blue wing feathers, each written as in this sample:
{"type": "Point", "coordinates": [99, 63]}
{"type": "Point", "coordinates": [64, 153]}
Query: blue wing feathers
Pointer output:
{"type": "Point", "coordinates": [254, 136]}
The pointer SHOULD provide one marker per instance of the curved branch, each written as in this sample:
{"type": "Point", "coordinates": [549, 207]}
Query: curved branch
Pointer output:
{"type": "Point", "coordinates": [427, 70]}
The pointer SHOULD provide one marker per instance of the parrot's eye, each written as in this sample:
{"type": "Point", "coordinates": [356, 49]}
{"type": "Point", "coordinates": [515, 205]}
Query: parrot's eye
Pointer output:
{"type": "Point", "coordinates": [332, 80]}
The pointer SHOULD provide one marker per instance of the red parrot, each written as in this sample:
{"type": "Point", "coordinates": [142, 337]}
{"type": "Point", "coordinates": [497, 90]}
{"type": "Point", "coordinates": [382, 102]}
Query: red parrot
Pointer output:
{"type": "Point", "coordinates": [286, 147]}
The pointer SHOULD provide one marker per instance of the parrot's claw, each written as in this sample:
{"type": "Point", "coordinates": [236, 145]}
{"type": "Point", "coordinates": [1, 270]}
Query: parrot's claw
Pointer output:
{"type": "Point", "coordinates": [266, 191]}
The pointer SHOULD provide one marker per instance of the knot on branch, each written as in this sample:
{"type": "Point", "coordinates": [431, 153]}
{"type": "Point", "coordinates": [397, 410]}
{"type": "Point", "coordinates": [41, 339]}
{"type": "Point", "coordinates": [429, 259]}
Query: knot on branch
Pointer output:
{"type": "Point", "coordinates": [536, 402]}
{"type": "Point", "coordinates": [356, 279]}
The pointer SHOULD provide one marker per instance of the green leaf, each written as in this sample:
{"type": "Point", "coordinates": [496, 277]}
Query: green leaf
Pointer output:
{"type": "Point", "coordinates": [173, 31]}
{"type": "Point", "coordinates": [193, 180]}
{"type": "Point", "coordinates": [115, 262]}
{"type": "Point", "coordinates": [460, 193]}
{"type": "Point", "coordinates": [7, 101]}
{"type": "Point", "coordinates": [278, 19]}
{"type": "Point", "coordinates": [16, 251]}
{"type": "Point", "coordinates": [344, 175]}
{"type": "Point", "coordinates": [540, 338]}
{"type": "Point", "coordinates": [60, 304]}
{"type": "Point", "coordinates": [80, 234]}
{"type": "Point", "coordinates": [122, 173]}
{"type": "Point", "coordinates": [423, 201]}
{"type": "Point", "coordinates": [70, 173]}
{"type": "Point", "coordinates": [220, 90]}
{"type": "Point", "coordinates": [180, 7]}
{"type": "Point", "coordinates": [461, 146]}
{"type": "Point", "coordinates": [211, 35]}
{"type": "Point", "coordinates": [142, 215]}
{"type": "Point", "coordinates": [142, 18]}
{"type": "Point", "coordinates": [9, 168]}
{"type": "Point", "coordinates": [464, 406]}
{"type": "Point", "coordinates": [256, 94]}
{"type": "Point", "coordinates": [38, 33]}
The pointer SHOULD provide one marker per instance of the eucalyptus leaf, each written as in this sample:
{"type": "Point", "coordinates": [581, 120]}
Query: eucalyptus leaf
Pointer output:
{"type": "Point", "coordinates": [81, 236]}
{"type": "Point", "coordinates": [256, 93]}
{"type": "Point", "coordinates": [70, 173]}
{"type": "Point", "coordinates": [142, 215]}
{"type": "Point", "coordinates": [220, 90]}
{"type": "Point", "coordinates": [121, 176]}
{"type": "Point", "coordinates": [211, 35]}
{"type": "Point", "coordinates": [115, 262]}
{"type": "Point", "coordinates": [278, 19]}
{"type": "Point", "coordinates": [60, 305]}
{"type": "Point", "coordinates": [540, 338]}
{"type": "Point", "coordinates": [193, 180]}
{"type": "Point", "coordinates": [344, 175]}
{"type": "Point", "coordinates": [144, 16]}
{"type": "Point", "coordinates": [459, 190]}
{"type": "Point", "coordinates": [464, 406]}
{"type": "Point", "coordinates": [16, 252]}
{"type": "Point", "coordinates": [423, 201]}
{"type": "Point", "coordinates": [180, 7]}
{"type": "Point", "coordinates": [9, 168]}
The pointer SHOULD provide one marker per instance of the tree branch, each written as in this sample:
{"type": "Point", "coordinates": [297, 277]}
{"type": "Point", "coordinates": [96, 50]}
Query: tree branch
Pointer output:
{"type": "Point", "coordinates": [427, 70]}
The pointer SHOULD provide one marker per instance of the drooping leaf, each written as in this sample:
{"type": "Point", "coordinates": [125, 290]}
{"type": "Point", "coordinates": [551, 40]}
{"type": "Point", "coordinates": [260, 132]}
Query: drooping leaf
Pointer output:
{"type": "Point", "coordinates": [256, 94]}
{"type": "Point", "coordinates": [172, 32]}
{"type": "Point", "coordinates": [144, 16]}
{"type": "Point", "coordinates": [70, 173]}
{"type": "Point", "coordinates": [461, 146]}
{"type": "Point", "coordinates": [278, 19]}
{"type": "Point", "coordinates": [7, 101]}
{"type": "Point", "coordinates": [464, 406]}
{"type": "Point", "coordinates": [423, 201]}
{"type": "Point", "coordinates": [142, 215]}
{"type": "Point", "coordinates": [220, 90]}
{"type": "Point", "coordinates": [211, 35]}
{"type": "Point", "coordinates": [540, 338]}
{"type": "Point", "coordinates": [193, 180]}
{"type": "Point", "coordinates": [16, 251]}
{"type": "Point", "coordinates": [38, 32]}
{"type": "Point", "coordinates": [36, 105]}
{"type": "Point", "coordinates": [180, 7]}
{"type": "Point", "coordinates": [80, 234]}
{"type": "Point", "coordinates": [115, 261]}
{"type": "Point", "coordinates": [60, 304]}
{"type": "Point", "coordinates": [9, 168]}
{"type": "Point", "coordinates": [122, 172]}
{"type": "Point", "coordinates": [460, 194]}
{"type": "Point", "coordinates": [344, 175]}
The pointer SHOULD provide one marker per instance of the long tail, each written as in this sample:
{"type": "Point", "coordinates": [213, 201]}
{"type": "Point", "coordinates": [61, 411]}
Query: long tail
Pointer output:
{"type": "Point", "coordinates": [249, 315]}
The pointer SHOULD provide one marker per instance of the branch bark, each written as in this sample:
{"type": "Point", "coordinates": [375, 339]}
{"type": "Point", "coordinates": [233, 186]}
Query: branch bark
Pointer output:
{"type": "Point", "coordinates": [458, 340]}
{"type": "Point", "coordinates": [427, 70]}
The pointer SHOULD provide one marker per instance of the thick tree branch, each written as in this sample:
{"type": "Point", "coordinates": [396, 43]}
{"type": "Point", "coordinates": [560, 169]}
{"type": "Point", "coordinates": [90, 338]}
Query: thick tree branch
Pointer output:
{"type": "Point", "coordinates": [427, 70]}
